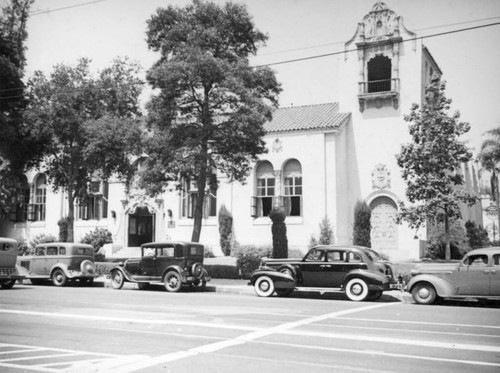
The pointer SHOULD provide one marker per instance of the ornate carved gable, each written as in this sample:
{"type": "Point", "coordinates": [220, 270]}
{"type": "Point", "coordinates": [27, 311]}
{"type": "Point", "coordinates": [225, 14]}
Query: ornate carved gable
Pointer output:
{"type": "Point", "coordinates": [380, 23]}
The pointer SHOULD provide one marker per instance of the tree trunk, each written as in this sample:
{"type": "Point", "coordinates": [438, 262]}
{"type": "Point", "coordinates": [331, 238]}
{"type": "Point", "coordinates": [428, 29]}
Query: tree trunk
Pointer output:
{"type": "Point", "coordinates": [497, 196]}
{"type": "Point", "coordinates": [447, 250]}
{"type": "Point", "coordinates": [71, 215]}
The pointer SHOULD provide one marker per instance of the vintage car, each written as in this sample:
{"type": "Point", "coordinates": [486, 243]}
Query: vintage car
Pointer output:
{"type": "Point", "coordinates": [60, 262]}
{"type": "Point", "coordinates": [171, 264]}
{"type": "Point", "coordinates": [477, 275]}
{"type": "Point", "coordinates": [357, 271]}
{"type": "Point", "coordinates": [9, 272]}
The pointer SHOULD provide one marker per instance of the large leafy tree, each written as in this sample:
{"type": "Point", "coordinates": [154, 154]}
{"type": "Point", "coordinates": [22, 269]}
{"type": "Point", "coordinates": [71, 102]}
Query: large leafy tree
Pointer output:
{"type": "Point", "coordinates": [210, 107]}
{"type": "Point", "coordinates": [431, 163]}
{"type": "Point", "coordinates": [16, 147]}
{"type": "Point", "coordinates": [489, 157]}
{"type": "Point", "coordinates": [90, 125]}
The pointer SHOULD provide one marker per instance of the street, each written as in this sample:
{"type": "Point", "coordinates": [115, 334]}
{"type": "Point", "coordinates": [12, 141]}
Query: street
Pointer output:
{"type": "Point", "coordinates": [98, 329]}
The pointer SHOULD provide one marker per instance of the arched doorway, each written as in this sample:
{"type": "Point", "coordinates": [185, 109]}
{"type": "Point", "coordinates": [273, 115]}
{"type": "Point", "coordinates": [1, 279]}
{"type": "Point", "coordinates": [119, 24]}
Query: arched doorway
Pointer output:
{"type": "Point", "coordinates": [140, 227]}
{"type": "Point", "coordinates": [384, 231]}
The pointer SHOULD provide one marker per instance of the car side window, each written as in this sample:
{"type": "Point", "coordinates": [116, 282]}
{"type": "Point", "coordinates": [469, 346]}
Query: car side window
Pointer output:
{"type": "Point", "coordinates": [40, 251]}
{"type": "Point", "coordinates": [314, 256]}
{"type": "Point", "coordinates": [353, 258]}
{"type": "Point", "coordinates": [496, 260]}
{"type": "Point", "coordinates": [62, 251]}
{"type": "Point", "coordinates": [149, 251]}
{"type": "Point", "coordinates": [477, 260]}
{"type": "Point", "coordinates": [335, 256]}
{"type": "Point", "coordinates": [51, 250]}
{"type": "Point", "coordinates": [166, 251]}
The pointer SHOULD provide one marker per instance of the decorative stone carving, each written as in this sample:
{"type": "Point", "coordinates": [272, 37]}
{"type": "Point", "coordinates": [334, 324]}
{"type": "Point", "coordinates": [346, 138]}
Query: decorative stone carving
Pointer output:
{"type": "Point", "coordinates": [277, 145]}
{"type": "Point", "coordinates": [381, 177]}
{"type": "Point", "coordinates": [380, 23]}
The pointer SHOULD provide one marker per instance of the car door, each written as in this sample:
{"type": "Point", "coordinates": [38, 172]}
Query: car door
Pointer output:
{"type": "Point", "coordinates": [148, 264]}
{"type": "Point", "coordinates": [473, 276]}
{"type": "Point", "coordinates": [37, 266]}
{"type": "Point", "coordinates": [495, 276]}
{"type": "Point", "coordinates": [312, 269]}
{"type": "Point", "coordinates": [335, 268]}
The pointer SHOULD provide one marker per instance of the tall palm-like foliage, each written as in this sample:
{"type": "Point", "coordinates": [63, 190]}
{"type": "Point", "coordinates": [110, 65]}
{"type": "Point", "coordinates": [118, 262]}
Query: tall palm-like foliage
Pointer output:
{"type": "Point", "coordinates": [489, 157]}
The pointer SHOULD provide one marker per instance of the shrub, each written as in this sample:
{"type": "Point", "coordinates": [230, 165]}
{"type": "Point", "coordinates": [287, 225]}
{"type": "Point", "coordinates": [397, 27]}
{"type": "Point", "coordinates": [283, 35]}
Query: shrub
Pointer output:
{"type": "Point", "coordinates": [42, 238]}
{"type": "Point", "coordinates": [278, 229]}
{"type": "Point", "coordinates": [225, 230]}
{"type": "Point", "coordinates": [63, 224]}
{"type": "Point", "coordinates": [249, 258]}
{"type": "Point", "coordinates": [222, 271]}
{"type": "Point", "coordinates": [477, 235]}
{"type": "Point", "coordinates": [325, 234]}
{"type": "Point", "coordinates": [362, 225]}
{"type": "Point", "coordinates": [98, 238]}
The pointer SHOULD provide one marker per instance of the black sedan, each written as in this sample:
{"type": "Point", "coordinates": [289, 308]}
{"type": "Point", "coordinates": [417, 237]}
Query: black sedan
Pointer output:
{"type": "Point", "coordinates": [357, 271]}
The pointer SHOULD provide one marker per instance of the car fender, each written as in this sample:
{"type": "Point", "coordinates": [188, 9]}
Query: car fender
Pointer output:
{"type": "Point", "coordinates": [175, 268]}
{"type": "Point", "coordinates": [63, 267]}
{"type": "Point", "coordinates": [281, 280]}
{"type": "Point", "coordinates": [443, 288]}
{"type": "Point", "coordinates": [371, 278]}
{"type": "Point", "coordinates": [128, 276]}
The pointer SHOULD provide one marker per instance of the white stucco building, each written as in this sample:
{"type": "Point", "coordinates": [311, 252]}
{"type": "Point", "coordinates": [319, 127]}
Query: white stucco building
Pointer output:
{"type": "Point", "coordinates": [321, 160]}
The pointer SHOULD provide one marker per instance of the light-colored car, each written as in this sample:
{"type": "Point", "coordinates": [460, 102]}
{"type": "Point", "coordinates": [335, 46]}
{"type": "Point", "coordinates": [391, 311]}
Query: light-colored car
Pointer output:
{"type": "Point", "coordinates": [60, 262]}
{"type": "Point", "coordinates": [8, 271]}
{"type": "Point", "coordinates": [477, 275]}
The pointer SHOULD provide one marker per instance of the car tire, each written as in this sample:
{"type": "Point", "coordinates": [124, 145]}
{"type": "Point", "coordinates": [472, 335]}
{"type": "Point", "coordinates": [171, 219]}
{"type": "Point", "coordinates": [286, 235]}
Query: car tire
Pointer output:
{"type": "Point", "coordinates": [356, 289]}
{"type": "Point", "coordinates": [423, 293]}
{"type": "Point", "coordinates": [117, 279]}
{"type": "Point", "coordinates": [172, 282]}
{"type": "Point", "coordinates": [283, 292]}
{"type": "Point", "coordinates": [59, 277]}
{"type": "Point", "coordinates": [8, 284]}
{"type": "Point", "coordinates": [197, 270]}
{"type": "Point", "coordinates": [264, 286]}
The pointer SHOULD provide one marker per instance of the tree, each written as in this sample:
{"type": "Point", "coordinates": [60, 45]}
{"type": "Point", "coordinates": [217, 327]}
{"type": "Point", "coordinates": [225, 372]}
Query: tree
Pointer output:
{"type": "Point", "coordinates": [362, 224]}
{"type": "Point", "coordinates": [477, 235]}
{"type": "Point", "coordinates": [16, 149]}
{"type": "Point", "coordinates": [278, 229]}
{"type": "Point", "coordinates": [431, 163]}
{"type": "Point", "coordinates": [89, 125]}
{"type": "Point", "coordinates": [489, 157]}
{"type": "Point", "coordinates": [325, 234]}
{"type": "Point", "coordinates": [210, 107]}
{"type": "Point", "coordinates": [225, 230]}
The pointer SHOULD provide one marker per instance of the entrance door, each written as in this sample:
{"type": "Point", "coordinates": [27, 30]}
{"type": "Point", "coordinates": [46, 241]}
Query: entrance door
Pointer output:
{"type": "Point", "coordinates": [140, 227]}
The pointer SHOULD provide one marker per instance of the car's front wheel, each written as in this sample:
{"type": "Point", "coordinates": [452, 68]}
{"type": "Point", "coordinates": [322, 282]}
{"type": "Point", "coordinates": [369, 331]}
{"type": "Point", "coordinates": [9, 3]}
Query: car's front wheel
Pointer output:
{"type": "Point", "coordinates": [117, 279]}
{"type": "Point", "coordinates": [172, 281]}
{"type": "Point", "coordinates": [8, 284]}
{"type": "Point", "coordinates": [59, 278]}
{"type": "Point", "coordinates": [356, 289]}
{"type": "Point", "coordinates": [424, 293]}
{"type": "Point", "coordinates": [264, 286]}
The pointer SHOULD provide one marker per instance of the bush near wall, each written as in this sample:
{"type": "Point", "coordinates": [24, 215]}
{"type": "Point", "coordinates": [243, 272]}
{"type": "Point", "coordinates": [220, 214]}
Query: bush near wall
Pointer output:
{"type": "Point", "coordinates": [223, 271]}
{"type": "Point", "coordinates": [249, 258]}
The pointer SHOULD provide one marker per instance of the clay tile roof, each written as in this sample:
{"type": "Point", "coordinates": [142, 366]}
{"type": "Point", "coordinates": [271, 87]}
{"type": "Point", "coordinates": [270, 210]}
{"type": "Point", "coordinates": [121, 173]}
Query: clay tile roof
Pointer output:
{"type": "Point", "coordinates": [299, 118]}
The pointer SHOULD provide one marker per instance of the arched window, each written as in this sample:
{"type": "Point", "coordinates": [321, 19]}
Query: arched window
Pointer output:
{"type": "Point", "coordinates": [379, 74]}
{"type": "Point", "coordinates": [262, 203]}
{"type": "Point", "coordinates": [292, 177]}
{"type": "Point", "coordinates": [37, 211]}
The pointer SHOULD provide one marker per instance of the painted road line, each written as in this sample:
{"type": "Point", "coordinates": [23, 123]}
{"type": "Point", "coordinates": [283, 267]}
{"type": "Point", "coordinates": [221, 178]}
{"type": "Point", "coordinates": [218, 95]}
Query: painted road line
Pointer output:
{"type": "Point", "coordinates": [381, 353]}
{"type": "Point", "coordinates": [128, 320]}
{"type": "Point", "coordinates": [162, 359]}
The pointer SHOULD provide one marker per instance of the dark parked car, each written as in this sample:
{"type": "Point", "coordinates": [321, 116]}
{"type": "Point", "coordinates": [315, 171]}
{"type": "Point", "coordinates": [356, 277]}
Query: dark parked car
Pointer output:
{"type": "Point", "coordinates": [8, 271]}
{"type": "Point", "coordinates": [172, 264]}
{"type": "Point", "coordinates": [60, 262]}
{"type": "Point", "coordinates": [357, 271]}
{"type": "Point", "coordinates": [476, 276]}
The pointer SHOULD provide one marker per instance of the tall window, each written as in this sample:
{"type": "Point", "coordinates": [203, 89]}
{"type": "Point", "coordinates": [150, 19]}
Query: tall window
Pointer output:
{"type": "Point", "coordinates": [266, 188]}
{"type": "Point", "coordinates": [36, 211]}
{"type": "Point", "coordinates": [292, 177]}
{"type": "Point", "coordinates": [95, 206]}
{"type": "Point", "coordinates": [379, 74]}
{"type": "Point", "coordinates": [189, 195]}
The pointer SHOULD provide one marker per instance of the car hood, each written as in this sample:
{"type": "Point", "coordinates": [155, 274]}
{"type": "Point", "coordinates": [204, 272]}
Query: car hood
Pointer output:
{"type": "Point", "coordinates": [433, 268]}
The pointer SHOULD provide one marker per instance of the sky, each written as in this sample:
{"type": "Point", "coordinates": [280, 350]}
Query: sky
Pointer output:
{"type": "Point", "coordinates": [62, 31]}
